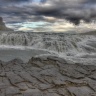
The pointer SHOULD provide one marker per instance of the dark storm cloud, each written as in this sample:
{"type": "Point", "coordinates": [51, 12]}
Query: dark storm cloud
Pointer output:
{"type": "Point", "coordinates": [71, 10]}
{"type": "Point", "coordinates": [11, 1]}
{"type": "Point", "coordinates": [90, 1]}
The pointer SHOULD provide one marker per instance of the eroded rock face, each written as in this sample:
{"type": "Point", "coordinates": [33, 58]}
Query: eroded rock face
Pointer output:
{"type": "Point", "coordinates": [3, 27]}
{"type": "Point", "coordinates": [46, 76]}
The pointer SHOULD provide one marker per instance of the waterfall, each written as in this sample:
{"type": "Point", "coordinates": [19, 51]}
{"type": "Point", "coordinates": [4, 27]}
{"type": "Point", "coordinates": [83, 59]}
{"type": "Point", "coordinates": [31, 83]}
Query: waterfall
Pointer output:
{"type": "Point", "coordinates": [58, 42]}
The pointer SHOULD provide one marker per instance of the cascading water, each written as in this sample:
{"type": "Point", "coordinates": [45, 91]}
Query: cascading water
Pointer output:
{"type": "Point", "coordinates": [76, 47]}
{"type": "Point", "coordinates": [51, 41]}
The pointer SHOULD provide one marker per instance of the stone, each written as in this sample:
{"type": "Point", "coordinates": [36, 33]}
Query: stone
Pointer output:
{"type": "Point", "coordinates": [80, 91]}
{"type": "Point", "coordinates": [22, 86]}
{"type": "Point", "coordinates": [45, 86]}
{"type": "Point", "coordinates": [10, 91]}
{"type": "Point", "coordinates": [32, 92]}
{"type": "Point", "coordinates": [2, 85]}
{"type": "Point", "coordinates": [14, 78]}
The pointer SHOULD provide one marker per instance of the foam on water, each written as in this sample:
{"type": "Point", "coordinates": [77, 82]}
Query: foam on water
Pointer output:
{"type": "Point", "coordinates": [65, 45]}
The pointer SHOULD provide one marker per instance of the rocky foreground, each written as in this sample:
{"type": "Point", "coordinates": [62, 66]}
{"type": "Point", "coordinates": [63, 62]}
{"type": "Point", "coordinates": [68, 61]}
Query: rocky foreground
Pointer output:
{"type": "Point", "coordinates": [46, 76]}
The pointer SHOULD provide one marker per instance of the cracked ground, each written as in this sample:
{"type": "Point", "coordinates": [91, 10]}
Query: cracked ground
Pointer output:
{"type": "Point", "coordinates": [46, 76]}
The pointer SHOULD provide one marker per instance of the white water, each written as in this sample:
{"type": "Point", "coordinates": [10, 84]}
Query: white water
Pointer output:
{"type": "Point", "coordinates": [54, 42]}
{"type": "Point", "coordinates": [65, 45]}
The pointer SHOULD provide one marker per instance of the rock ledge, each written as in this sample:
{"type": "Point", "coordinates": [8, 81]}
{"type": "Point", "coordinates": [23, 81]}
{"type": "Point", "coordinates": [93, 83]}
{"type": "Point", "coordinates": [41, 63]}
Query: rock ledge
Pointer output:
{"type": "Point", "coordinates": [46, 76]}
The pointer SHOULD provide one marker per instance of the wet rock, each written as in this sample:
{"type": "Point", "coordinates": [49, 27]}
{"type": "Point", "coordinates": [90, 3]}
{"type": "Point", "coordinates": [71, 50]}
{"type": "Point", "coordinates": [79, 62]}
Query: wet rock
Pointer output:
{"type": "Point", "coordinates": [14, 78]}
{"type": "Point", "coordinates": [11, 91]}
{"type": "Point", "coordinates": [46, 76]}
{"type": "Point", "coordinates": [32, 92]}
{"type": "Point", "coordinates": [80, 91]}
{"type": "Point", "coordinates": [45, 86]}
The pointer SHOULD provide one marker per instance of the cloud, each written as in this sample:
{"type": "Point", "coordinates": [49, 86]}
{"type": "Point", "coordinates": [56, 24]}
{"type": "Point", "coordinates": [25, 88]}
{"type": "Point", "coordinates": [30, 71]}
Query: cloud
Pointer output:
{"type": "Point", "coordinates": [72, 10]}
{"type": "Point", "coordinates": [19, 11]}
{"type": "Point", "coordinates": [12, 1]}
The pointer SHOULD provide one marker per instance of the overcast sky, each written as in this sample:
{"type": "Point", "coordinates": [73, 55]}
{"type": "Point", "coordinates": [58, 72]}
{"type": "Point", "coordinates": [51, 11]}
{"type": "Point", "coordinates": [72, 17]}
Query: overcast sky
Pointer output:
{"type": "Point", "coordinates": [49, 15]}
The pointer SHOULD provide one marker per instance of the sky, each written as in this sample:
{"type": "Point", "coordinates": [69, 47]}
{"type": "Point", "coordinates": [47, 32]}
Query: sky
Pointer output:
{"type": "Point", "coordinates": [49, 15]}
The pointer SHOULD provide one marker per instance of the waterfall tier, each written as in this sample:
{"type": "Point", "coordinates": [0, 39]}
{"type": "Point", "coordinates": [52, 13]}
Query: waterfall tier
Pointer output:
{"type": "Point", "coordinates": [58, 42]}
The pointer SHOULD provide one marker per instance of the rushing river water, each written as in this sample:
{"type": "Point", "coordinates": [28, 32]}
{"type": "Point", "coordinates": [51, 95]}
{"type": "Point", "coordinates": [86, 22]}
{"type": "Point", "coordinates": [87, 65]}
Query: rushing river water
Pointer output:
{"type": "Point", "coordinates": [25, 45]}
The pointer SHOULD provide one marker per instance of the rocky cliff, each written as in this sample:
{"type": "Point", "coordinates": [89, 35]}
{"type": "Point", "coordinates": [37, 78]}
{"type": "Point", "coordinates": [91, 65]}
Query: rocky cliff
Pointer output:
{"type": "Point", "coordinates": [3, 26]}
{"type": "Point", "coordinates": [46, 76]}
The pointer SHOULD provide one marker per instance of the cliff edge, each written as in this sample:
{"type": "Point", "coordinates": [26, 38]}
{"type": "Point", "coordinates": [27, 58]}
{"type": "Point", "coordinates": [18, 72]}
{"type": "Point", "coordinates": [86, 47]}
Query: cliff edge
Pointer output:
{"type": "Point", "coordinates": [3, 26]}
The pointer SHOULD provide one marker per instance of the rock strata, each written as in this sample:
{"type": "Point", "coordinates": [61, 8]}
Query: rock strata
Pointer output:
{"type": "Point", "coordinates": [46, 76]}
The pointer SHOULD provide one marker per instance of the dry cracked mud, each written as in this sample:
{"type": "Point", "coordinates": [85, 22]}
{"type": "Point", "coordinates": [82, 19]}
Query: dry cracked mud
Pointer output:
{"type": "Point", "coordinates": [46, 76]}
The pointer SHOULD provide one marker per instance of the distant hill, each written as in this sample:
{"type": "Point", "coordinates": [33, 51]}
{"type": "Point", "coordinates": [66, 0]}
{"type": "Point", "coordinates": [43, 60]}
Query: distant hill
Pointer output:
{"type": "Point", "coordinates": [3, 26]}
